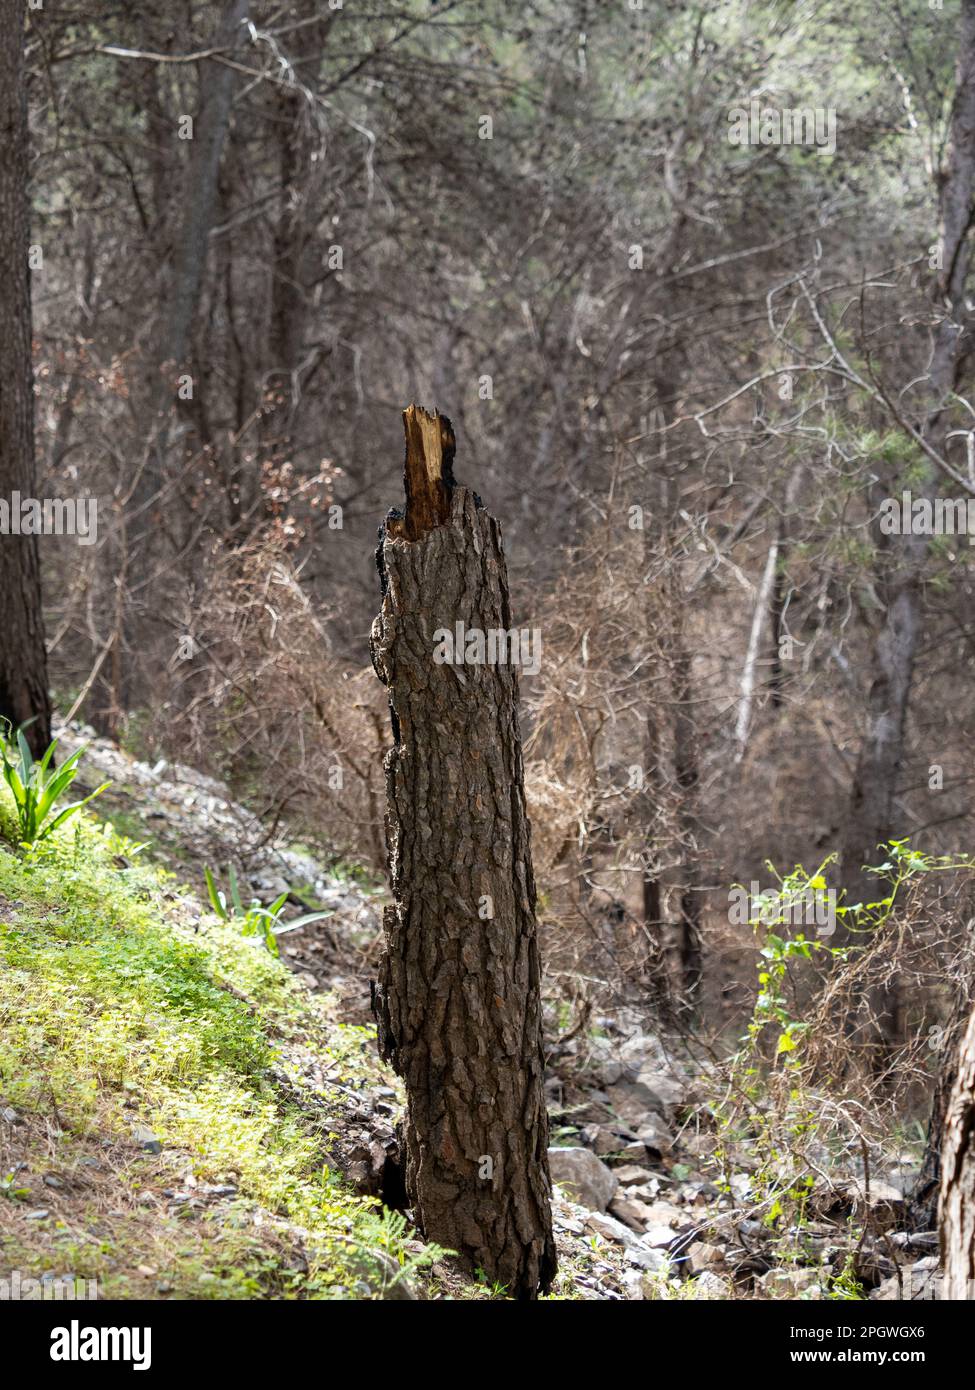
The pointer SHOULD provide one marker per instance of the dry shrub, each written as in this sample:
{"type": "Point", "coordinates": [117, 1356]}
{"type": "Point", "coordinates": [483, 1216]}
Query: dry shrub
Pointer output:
{"type": "Point", "coordinates": [260, 699]}
{"type": "Point", "coordinates": [875, 1040]}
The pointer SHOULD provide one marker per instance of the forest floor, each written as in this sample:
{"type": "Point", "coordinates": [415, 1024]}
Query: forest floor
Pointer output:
{"type": "Point", "coordinates": [184, 1114]}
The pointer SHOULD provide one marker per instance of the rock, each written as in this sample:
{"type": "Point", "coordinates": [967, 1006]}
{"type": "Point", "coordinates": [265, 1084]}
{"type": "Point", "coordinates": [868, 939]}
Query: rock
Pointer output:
{"type": "Point", "coordinates": [609, 1228]}
{"type": "Point", "coordinates": [381, 1274]}
{"type": "Point", "coordinates": [617, 1142]}
{"type": "Point", "coordinates": [659, 1237]}
{"type": "Point", "coordinates": [925, 1266]}
{"type": "Point", "coordinates": [10, 1116]}
{"type": "Point", "coordinates": [604, 1063]}
{"type": "Point", "coordinates": [701, 1256]}
{"type": "Point", "coordinates": [41, 1214]}
{"type": "Point", "coordinates": [711, 1285]}
{"type": "Point", "coordinates": [601, 1140]}
{"type": "Point", "coordinates": [664, 1213]}
{"type": "Point", "coordinates": [584, 1177]}
{"type": "Point", "coordinates": [635, 1250]}
{"type": "Point", "coordinates": [634, 1103]}
{"type": "Point", "coordinates": [654, 1135]}
{"type": "Point", "coordinates": [668, 1084]}
{"type": "Point", "coordinates": [629, 1174]}
{"type": "Point", "coordinates": [146, 1139]}
{"type": "Point", "coordinates": [791, 1283]}
{"type": "Point", "coordinates": [911, 1240]}
{"type": "Point", "coordinates": [921, 1283]}
{"type": "Point", "coordinates": [633, 1213]}
{"type": "Point", "coordinates": [611, 1072]}
{"type": "Point", "coordinates": [635, 1152]}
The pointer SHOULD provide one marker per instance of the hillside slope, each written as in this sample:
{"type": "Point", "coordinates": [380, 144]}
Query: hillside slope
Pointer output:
{"type": "Point", "coordinates": [182, 1114]}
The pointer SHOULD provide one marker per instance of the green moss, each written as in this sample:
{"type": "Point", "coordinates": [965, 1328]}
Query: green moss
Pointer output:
{"type": "Point", "coordinates": [122, 1005]}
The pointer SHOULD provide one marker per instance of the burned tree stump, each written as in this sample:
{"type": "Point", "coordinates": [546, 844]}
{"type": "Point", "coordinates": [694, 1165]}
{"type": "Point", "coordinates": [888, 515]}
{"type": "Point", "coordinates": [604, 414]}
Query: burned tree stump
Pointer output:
{"type": "Point", "coordinates": [458, 1000]}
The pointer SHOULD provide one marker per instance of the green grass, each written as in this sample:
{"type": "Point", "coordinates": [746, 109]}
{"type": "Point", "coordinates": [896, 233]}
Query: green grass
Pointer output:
{"type": "Point", "coordinates": [124, 1007]}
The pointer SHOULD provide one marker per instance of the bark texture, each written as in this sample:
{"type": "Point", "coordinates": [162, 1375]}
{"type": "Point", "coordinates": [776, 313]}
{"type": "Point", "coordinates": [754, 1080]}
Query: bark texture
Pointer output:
{"type": "Point", "coordinates": [958, 1177]}
{"type": "Point", "coordinates": [458, 1001]}
{"type": "Point", "coordinates": [23, 654]}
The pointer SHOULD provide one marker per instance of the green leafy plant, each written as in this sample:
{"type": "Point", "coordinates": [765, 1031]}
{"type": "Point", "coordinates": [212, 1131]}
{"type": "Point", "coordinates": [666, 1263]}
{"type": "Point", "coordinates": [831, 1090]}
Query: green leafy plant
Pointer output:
{"type": "Point", "coordinates": [776, 1116]}
{"type": "Point", "coordinates": [36, 786]}
{"type": "Point", "coordinates": [254, 919]}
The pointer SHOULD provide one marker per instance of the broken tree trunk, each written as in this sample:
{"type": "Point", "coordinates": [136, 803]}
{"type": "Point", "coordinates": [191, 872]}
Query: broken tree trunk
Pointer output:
{"type": "Point", "coordinates": [458, 1001]}
{"type": "Point", "coordinates": [958, 1177]}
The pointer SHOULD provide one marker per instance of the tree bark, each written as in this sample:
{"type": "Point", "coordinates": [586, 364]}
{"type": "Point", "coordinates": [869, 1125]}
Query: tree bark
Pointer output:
{"type": "Point", "coordinates": [23, 654]}
{"type": "Point", "coordinates": [924, 1195]}
{"type": "Point", "coordinates": [458, 1001]}
{"type": "Point", "coordinates": [958, 1178]}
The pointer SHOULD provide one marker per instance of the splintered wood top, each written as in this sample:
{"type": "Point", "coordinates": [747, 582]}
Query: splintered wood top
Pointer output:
{"type": "Point", "coordinates": [427, 475]}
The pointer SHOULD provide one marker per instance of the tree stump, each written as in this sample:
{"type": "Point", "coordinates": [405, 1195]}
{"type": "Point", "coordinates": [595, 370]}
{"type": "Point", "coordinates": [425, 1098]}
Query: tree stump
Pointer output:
{"type": "Point", "coordinates": [458, 1000]}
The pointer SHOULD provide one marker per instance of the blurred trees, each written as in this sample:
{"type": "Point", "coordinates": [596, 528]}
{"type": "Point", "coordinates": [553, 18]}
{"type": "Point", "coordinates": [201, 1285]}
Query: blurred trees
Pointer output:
{"type": "Point", "coordinates": [685, 372]}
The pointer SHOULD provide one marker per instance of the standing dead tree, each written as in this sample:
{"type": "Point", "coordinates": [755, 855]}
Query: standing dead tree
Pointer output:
{"type": "Point", "coordinates": [458, 1002]}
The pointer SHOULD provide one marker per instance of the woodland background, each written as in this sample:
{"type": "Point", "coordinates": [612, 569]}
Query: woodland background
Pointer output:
{"type": "Point", "coordinates": [682, 373]}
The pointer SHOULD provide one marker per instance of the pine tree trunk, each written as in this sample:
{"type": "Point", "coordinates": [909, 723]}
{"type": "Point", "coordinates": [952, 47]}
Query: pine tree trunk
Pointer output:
{"type": "Point", "coordinates": [23, 655]}
{"type": "Point", "coordinates": [958, 1178]}
{"type": "Point", "coordinates": [458, 1000]}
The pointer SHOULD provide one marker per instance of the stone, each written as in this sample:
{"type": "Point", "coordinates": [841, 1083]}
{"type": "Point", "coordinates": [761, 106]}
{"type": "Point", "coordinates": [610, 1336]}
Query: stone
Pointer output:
{"type": "Point", "coordinates": [702, 1256]}
{"type": "Point", "coordinates": [629, 1174]}
{"type": "Point", "coordinates": [634, 1152]}
{"type": "Point", "coordinates": [672, 1088]}
{"type": "Point", "coordinates": [659, 1237]}
{"type": "Point", "coordinates": [634, 1103]}
{"type": "Point", "coordinates": [710, 1285]}
{"type": "Point", "coordinates": [791, 1283]}
{"type": "Point", "coordinates": [146, 1139]}
{"type": "Point", "coordinates": [583, 1177]}
{"type": "Point", "coordinates": [664, 1214]}
{"type": "Point", "coordinates": [921, 1283]}
{"type": "Point", "coordinates": [602, 1141]}
{"type": "Point", "coordinates": [635, 1250]}
{"type": "Point", "coordinates": [631, 1212]}
{"type": "Point", "coordinates": [654, 1135]}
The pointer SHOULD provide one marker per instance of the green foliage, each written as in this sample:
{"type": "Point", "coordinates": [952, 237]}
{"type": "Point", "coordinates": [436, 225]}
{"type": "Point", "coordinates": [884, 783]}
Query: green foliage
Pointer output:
{"type": "Point", "coordinates": [771, 1110]}
{"type": "Point", "coordinates": [120, 1004]}
{"type": "Point", "coordinates": [36, 786]}
{"type": "Point", "coordinates": [254, 920]}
